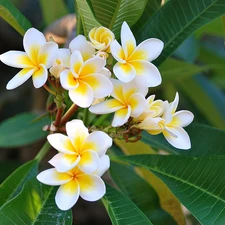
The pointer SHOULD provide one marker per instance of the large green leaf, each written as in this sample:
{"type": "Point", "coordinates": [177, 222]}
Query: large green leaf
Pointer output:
{"type": "Point", "coordinates": [14, 183]}
{"type": "Point", "coordinates": [14, 17]}
{"type": "Point", "coordinates": [205, 140]}
{"type": "Point", "coordinates": [112, 13]}
{"type": "Point", "coordinates": [21, 130]}
{"type": "Point", "coordinates": [177, 20]}
{"type": "Point", "coordinates": [140, 192]}
{"type": "Point", "coordinates": [122, 210]}
{"type": "Point", "coordinates": [197, 182]}
{"type": "Point", "coordinates": [34, 205]}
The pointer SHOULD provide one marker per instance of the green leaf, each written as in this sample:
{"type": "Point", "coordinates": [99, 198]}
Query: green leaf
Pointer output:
{"type": "Point", "coordinates": [53, 10]}
{"type": "Point", "coordinates": [34, 205]}
{"type": "Point", "coordinates": [87, 17]}
{"type": "Point", "coordinates": [14, 183]}
{"type": "Point", "coordinates": [112, 13]}
{"type": "Point", "coordinates": [140, 192]}
{"type": "Point", "coordinates": [21, 130]}
{"type": "Point", "coordinates": [197, 182]}
{"type": "Point", "coordinates": [205, 141]}
{"type": "Point", "coordinates": [122, 210]}
{"type": "Point", "coordinates": [177, 20]}
{"type": "Point", "coordinates": [14, 17]}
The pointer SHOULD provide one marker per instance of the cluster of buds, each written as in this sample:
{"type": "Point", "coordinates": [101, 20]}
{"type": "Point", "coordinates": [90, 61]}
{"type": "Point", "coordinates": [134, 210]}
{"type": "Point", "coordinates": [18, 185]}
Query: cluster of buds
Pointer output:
{"type": "Point", "coordinates": [84, 71]}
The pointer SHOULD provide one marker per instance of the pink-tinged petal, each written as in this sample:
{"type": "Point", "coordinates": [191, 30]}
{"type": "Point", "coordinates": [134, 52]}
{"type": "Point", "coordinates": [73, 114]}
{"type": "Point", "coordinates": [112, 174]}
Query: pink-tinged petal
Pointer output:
{"type": "Point", "coordinates": [97, 141]}
{"type": "Point", "coordinates": [148, 50]}
{"type": "Point", "coordinates": [82, 95]}
{"type": "Point", "coordinates": [61, 143]}
{"type": "Point", "coordinates": [124, 72]}
{"type": "Point", "coordinates": [76, 62]}
{"type": "Point", "coordinates": [67, 195]}
{"type": "Point", "coordinates": [32, 42]}
{"type": "Point", "coordinates": [20, 78]}
{"type": "Point", "coordinates": [53, 177]}
{"type": "Point", "coordinates": [68, 80]}
{"type": "Point", "coordinates": [121, 116]}
{"type": "Point", "coordinates": [105, 72]}
{"type": "Point", "coordinates": [89, 161]}
{"type": "Point", "coordinates": [104, 165]}
{"type": "Point", "coordinates": [80, 43]}
{"type": "Point", "coordinates": [47, 54]}
{"type": "Point", "coordinates": [148, 71]}
{"type": "Point", "coordinates": [137, 103]}
{"type": "Point", "coordinates": [108, 106]}
{"type": "Point", "coordinates": [100, 84]}
{"type": "Point", "coordinates": [64, 162]}
{"type": "Point", "coordinates": [92, 187]}
{"type": "Point", "coordinates": [16, 59]}
{"type": "Point", "coordinates": [91, 66]}
{"type": "Point", "coordinates": [177, 137]}
{"type": "Point", "coordinates": [182, 118]}
{"type": "Point", "coordinates": [127, 39]}
{"type": "Point", "coordinates": [40, 76]}
{"type": "Point", "coordinates": [64, 55]}
{"type": "Point", "coordinates": [173, 105]}
{"type": "Point", "coordinates": [117, 51]}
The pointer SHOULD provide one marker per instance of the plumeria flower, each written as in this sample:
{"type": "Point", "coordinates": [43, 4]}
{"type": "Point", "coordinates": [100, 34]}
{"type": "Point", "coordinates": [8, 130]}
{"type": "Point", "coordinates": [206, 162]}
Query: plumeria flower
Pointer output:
{"type": "Point", "coordinates": [39, 56]}
{"type": "Point", "coordinates": [75, 183]}
{"type": "Point", "coordinates": [85, 80]}
{"type": "Point", "coordinates": [128, 101]}
{"type": "Point", "coordinates": [79, 148]}
{"type": "Point", "coordinates": [61, 62]}
{"type": "Point", "coordinates": [101, 38]}
{"type": "Point", "coordinates": [134, 61]}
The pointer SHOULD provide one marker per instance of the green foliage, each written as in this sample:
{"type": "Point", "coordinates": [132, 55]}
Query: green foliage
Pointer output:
{"type": "Point", "coordinates": [14, 17]}
{"type": "Point", "coordinates": [34, 205]}
{"type": "Point", "coordinates": [21, 130]}
{"type": "Point", "coordinates": [197, 182]}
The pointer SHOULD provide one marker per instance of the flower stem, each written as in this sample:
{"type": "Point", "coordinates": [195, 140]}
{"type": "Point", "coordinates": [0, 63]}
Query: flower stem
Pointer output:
{"type": "Point", "coordinates": [58, 116]}
{"type": "Point", "coordinates": [70, 112]}
{"type": "Point", "coordinates": [44, 150]}
{"type": "Point", "coordinates": [49, 90]}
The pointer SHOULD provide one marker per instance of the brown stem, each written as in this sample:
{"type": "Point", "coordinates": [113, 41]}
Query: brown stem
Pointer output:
{"type": "Point", "coordinates": [49, 90]}
{"type": "Point", "coordinates": [70, 112]}
{"type": "Point", "coordinates": [58, 116]}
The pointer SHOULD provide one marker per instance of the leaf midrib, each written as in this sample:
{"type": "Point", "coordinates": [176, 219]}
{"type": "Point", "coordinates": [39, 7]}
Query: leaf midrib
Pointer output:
{"type": "Point", "coordinates": [115, 15]}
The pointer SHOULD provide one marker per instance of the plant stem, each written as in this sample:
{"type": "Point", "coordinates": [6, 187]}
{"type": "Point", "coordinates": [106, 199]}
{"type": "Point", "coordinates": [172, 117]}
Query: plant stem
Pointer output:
{"type": "Point", "coordinates": [58, 116]}
{"type": "Point", "coordinates": [44, 150]}
{"type": "Point", "coordinates": [86, 117]}
{"type": "Point", "coordinates": [49, 90]}
{"type": "Point", "coordinates": [73, 108]}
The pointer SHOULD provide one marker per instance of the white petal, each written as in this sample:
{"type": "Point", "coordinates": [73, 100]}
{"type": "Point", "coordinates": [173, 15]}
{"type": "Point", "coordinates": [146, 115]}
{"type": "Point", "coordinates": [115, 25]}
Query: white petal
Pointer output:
{"type": "Point", "coordinates": [64, 55]}
{"type": "Point", "coordinates": [117, 51]}
{"type": "Point", "coordinates": [121, 117]}
{"type": "Point", "coordinates": [68, 80]}
{"type": "Point", "coordinates": [47, 54]}
{"type": "Point", "coordinates": [137, 103]}
{"type": "Point", "coordinates": [180, 139]}
{"type": "Point", "coordinates": [61, 143]}
{"type": "Point", "coordinates": [53, 177]}
{"type": "Point", "coordinates": [67, 195]}
{"type": "Point", "coordinates": [105, 72]}
{"type": "Point", "coordinates": [148, 50]}
{"type": "Point", "coordinates": [89, 161]}
{"type": "Point", "coordinates": [76, 61]}
{"type": "Point", "coordinates": [16, 59]}
{"type": "Point", "coordinates": [92, 187]}
{"type": "Point", "coordinates": [147, 74]}
{"type": "Point", "coordinates": [64, 162]}
{"type": "Point", "coordinates": [82, 95]}
{"type": "Point", "coordinates": [127, 39]}
{"type": "Point", "coordinates": [108, 106]}
{"type": "Point", "coordinates": [124, 72]}
{"type": "Point", "coordinates": [98, 141]}
{"type": "Point", "coordinates": [104, 165]}
{"type": "Point", "coordinates": [100, 85]}
{"type": "Point", "coordinates": [40, 76]}
{"type": "Point", "coordinates": [173, 105]}
{"type": "Point", "coordinates": [167, 115]}
{"type": "Point", "coordinates": [32, 42]}
{"type": "Point", "coordinates": [20, 78]}
{"type": "Point", "coordinates": [118, 89]}
{"type": "Point", "coordinates": [182, 118]}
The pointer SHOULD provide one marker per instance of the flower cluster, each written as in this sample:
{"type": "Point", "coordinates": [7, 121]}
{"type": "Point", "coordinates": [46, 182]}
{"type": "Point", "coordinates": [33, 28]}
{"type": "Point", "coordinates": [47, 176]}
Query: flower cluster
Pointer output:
{"type": "Point", "coordinates": [84, 70]}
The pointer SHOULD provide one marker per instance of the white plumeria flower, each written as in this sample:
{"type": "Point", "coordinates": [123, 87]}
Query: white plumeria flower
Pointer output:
{"type": "Point", "coordinates": [61, 62]}
{"type": "Point", "coordinates": [129, 101]}
{"type": "Point", "coordinates": [133, 62]}
{"type": "Point", "coordinates": [79, 148]}
{"type": "Point", "coordinates": [101, 38]}
{"type": "Point", "coordinates": [75, 183]}
{"type": "Point", "coordinates": [39, 56]}
{"type": "Point", "coordinates": [85, 80]}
